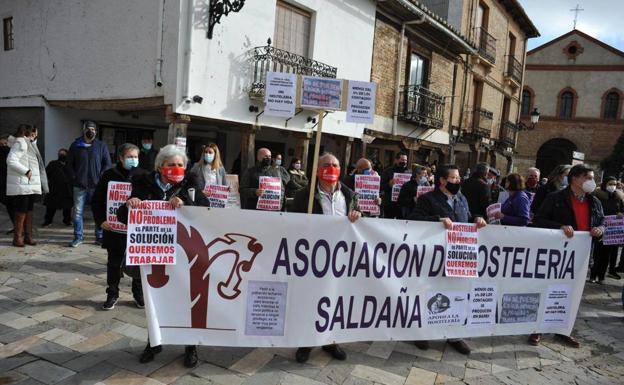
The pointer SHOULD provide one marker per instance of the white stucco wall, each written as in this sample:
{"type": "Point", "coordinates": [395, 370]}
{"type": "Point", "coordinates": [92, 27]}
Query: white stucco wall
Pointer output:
{"type": "Point", "coordinates": [341, 36]}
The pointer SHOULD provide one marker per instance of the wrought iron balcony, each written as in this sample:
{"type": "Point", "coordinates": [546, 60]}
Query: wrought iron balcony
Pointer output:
{"type": "Point", "coordinates": [482, 122]}
{"type": "Point", "coordinates": [270, 59]}
{"type": "Point", "coordinates": [419, 105]}
{"type": "Point", "coordinates": [514, 69]}
{"type": "Point", "coordinates": [507, 134]}
{"type": "Point", "coordinates": [486, 44]}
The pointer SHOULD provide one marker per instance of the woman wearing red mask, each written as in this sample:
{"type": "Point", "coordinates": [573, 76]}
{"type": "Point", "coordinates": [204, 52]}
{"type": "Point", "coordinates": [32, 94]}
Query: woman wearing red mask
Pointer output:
{"type": "Point", "coordinates": [167, 183]}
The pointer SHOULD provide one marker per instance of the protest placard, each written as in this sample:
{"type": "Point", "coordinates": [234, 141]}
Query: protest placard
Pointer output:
{"type": "Point", "coordinates": [367, 188]}
{"type": "Point", "coordinates": [152, 234]}
{"type": "Point", "coordinates": [462, 242]}
{"type": "Point", "coordinates": [217, 195]}
{"type": "Point", "coordinates": [271, 198]}
{"type": "Point", "coordinates": [234, 197]}
{"type": "Point", "coordinates": [399, 180]}
{"type": "Point", "coordinates": [280, 93]}
{"type": "Point", "coordinates": [116, 196]}
{"type": "Point", "coordinates": [422, 190]}
{"type": "Point", "coordinates": [361, 102]}
{"type": "Point", "coordinates": [614, 230]}
{"type": "Point", "coordinates": [492, 210]}
{"type": "Point", "coordinates": [321, 93]}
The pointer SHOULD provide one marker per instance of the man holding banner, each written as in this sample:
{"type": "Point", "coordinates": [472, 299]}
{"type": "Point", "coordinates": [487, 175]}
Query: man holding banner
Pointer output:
{"type": "Point", "coordinates": [331, 198]}
{"type": "Point", "coordinates": [446, 204]}
{"type": "Point", "coordinates": [111, 192]}
{"type": "Point", "coordinates": [252, 190]}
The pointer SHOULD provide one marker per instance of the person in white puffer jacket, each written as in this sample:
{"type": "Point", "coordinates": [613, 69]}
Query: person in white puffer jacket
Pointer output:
{"type": "Point", "coordinates": [26, 181]}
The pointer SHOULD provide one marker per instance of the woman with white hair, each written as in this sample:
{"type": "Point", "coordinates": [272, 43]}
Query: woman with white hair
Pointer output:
{"type": "Point", "coordinates": [168, 182]}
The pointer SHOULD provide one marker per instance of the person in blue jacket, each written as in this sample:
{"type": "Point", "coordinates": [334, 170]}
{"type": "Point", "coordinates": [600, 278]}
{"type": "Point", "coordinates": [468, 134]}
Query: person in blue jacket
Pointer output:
{"type": "Point", "coordinates": [87, 159]}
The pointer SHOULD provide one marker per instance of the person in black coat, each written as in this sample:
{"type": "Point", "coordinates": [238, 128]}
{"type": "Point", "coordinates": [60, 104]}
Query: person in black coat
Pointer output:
{"type": "Point", "coordinates": [148, 153]}
{"type": "Point", "coordinates": [605, 256]}
{"type": "Point", "coordinates": [4, 199]}
{"type": "Point", "coordinates": [115, 240]}
{"type": "Point", "coordinates": [407, 196]}
{"type": "Point", "coordinates": [557, 180]}
{"type": "Point", "coordinates": [391, 209]}
{"type": "Point", "coordinates": [477, 190]}
{"type": "Point", "coordinates": [572, 209]}
{"type": "Point", "coordinates": [167, 183]}
{"type": "Point", "coordinates": [60, 196]}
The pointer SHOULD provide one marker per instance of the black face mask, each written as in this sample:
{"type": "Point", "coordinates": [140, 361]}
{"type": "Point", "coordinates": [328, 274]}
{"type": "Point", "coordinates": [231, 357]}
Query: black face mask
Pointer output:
{"type": "Point", "coordinates": [62, 157]}
{"type": "Point", "coordinates": [90, 135]}
{"type": "Point", "coordinates": [265, 162]}
{"type": "Point", "coordinates": [453, 188]}
{"type": "Point", "coordinates": [402, 165]}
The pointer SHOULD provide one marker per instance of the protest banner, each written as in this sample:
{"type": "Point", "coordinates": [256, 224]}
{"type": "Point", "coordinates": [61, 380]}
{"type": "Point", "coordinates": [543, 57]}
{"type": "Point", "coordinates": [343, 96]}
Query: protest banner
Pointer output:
{"type": "Point", "coordinates": [321, 93]}
{"type": "Point", "coordinates": [271, 198]}
{"type": "Point", "coordinates": [152, 234]}
{"type": "Point", "coordinates": [614, 230]}
{"type": "Point", "coordinates": [262, 279]}
{"type": "Point", "coordinates": [491, 212]}
{"type": "Point", "coordinates": [116, 195]}
{"type": "Point", "coordinates": [217, 195]}
{"type": "Point", "coordinates": [399, 180]}
{"type": "Point", "coordinates": [361, 102]}
{"type": "Point", "coordinates": [462, 243]}
{"type": "Point", "coordinates": [422, 190]}
{"type": "Point", "coordinates": [280, 94]}
{"type": "Point", "coordinates": [367, 188]}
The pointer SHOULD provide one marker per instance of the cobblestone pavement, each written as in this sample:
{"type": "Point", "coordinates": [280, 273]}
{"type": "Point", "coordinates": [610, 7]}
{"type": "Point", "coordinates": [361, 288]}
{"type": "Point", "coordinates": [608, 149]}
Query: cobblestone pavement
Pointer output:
{"type": "Point", "coordinates": [52, 332]}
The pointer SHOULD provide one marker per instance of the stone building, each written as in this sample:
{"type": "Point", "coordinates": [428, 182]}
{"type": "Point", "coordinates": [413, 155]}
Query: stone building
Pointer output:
{"type": "Point", "coordinates": [577, 84]}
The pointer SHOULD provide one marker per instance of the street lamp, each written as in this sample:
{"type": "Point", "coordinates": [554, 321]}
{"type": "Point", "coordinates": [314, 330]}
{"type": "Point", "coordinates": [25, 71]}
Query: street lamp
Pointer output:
{"type": "Point", "coordinates": [534, 119]}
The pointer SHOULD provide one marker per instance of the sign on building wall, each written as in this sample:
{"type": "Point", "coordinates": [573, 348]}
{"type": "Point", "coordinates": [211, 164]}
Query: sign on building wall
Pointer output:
{"type": "Point", "coordinates": [280, 95]}
{"type": "Point", "coordinates": [321, 93]}
{"type": "Point", "coordinates": [361, 102]}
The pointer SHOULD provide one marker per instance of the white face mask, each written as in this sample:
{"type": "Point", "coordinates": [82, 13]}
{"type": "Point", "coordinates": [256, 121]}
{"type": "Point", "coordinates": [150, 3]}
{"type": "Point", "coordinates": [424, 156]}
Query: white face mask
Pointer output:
{"type": "Point", "coordinates": [589, 186]}
{"type": "Point", "coordinates": [611, 189]}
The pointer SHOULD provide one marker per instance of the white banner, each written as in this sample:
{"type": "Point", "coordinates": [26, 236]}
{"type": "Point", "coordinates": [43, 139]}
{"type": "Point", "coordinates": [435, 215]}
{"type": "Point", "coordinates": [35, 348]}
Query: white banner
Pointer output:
{"type": "Point", "coordinates": [251, 278]}
{"type": "Point", "coordinates": [280, 93]}
{"type": "Point", "coordinates": [361, 102]}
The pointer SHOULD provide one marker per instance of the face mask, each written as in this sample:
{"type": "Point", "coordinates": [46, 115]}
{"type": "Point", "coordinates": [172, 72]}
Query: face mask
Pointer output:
{"type": "Point", "coordinates": [90, 135]}
{"type": "Point", "coordinates": [402, 164]}
{"type": "Point", "coordinates": [209, 158]}
{"type": "Point", "coordinates": [175, 174]}
{"type": "Point", "coordinates": [453, 188]}
{"type": "Point", "coordinates": [297, 166]}
{"type": "Point", "coordinates": [531, 182]}
{"type": "Point", "coordinates": [564, 182]}
{"type": "Point", "coordinates": [490, 181]}
{"type": "Point", "coordinates": [130, 163]}
{"type": "Point", "coordinates": [62, 157]}
{"type": "Point", "coordinates": [147, 146]}
{"type": "Point", "coordinates": [265, 162]}
{"type": "Point", "coordinates": [366, 171]}
{"type": "Point", "coordinates": [589, 186]}
{"type": "Point", "coordinates": [329, 174]}
{"type": "Point", "coordinates": [278, 162]}
{"type": "Point", "coordinates": [423, 180]}
{"type": "Point", "coordinates": [611, 189]}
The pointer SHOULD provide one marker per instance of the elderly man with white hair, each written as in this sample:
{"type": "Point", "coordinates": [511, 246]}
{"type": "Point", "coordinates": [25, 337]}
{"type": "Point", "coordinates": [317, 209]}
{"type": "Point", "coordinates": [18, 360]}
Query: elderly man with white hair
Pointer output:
{"type": "Point", "coordinates": [532, 180]}
{"type": "Point", "coordinates": [250, 189]}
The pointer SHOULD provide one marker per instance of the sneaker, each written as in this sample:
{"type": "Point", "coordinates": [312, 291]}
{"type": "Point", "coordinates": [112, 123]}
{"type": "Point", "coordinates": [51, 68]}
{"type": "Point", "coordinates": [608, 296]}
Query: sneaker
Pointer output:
{"type": "Point", "coordinates": [149, 353]}
{"type": "Point", "coordinates": [568, 340]}
{"type": "Point", "coordinates": [336, 352]}
{"type": "Point", "coordinates": [302, 355]}
{"type": "Point", "coordinates": [461, 346]}
{"type": "Point", "coordinates": [139, 302]}
{"type": "Point", "coordinates": [110, 303]}
{"type": "Point", "coordinates": [76, 242]}
{"type": "Point", "coordinates": [614, 275]}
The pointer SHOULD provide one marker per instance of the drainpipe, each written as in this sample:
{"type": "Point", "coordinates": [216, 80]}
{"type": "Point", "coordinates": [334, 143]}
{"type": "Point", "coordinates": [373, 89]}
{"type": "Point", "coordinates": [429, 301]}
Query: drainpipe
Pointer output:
{"type": "Point", "coordinates": [159, 39]}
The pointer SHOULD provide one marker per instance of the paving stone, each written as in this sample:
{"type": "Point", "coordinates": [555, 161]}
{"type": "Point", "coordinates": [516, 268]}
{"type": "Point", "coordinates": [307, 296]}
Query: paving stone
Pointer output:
{"type": "Point", "coordinates": [96, 342]}
{"type": "Point", "coordinates": [45, 372]}
{"type": "Point", "coordinates": [293, 379]}
{"type": "Point", "coordinates": [54, 296]}
{"type": "Point", "coordinates": [217, 375]}
{"type": "Point", "coordinates": [52, 352]}
{"type": "Point", "coordinates": [170, 372]}
{"type": "Point", "coordinates": [335, 372]}
{"type": "Point", "coordinates": [16, 335]}
{"type": "Point", "coordinates": [92, 375]}
{"type": "Point", "coordinates": [419, 376]}
{"type": "Point", "coordinates": [377, 375]}
{"type": "Point", "coordinates": [17, 347]}
{"type": "Point", "coordinates": [15, 361]}
{"type": "Point", "coordinates": [381, 349]}
{"type": "Point", "coordinates": [130, 362]}
{"type": "Point", "coordinates": [12, 377]}
{"type": "Point", "coordinates": [129, 378]}
{"type": "Point", "coordinates": [252, 362]}
{"type": "Point", "coordinates": [21, 323]}
{"type": "Point", "coordinates": [45, 315]}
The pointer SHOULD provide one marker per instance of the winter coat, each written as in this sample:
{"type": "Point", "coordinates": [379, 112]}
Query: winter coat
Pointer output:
{"type": "Point", "coordinates": [4, 153]}
{"type": "Point", "coordinates": [197, 176]}
{"type": "Point", "coordinates": [407, 196]}
{"type": "Point", "coordinates": [478, 195]}
{"type": "Point", "coordinates": [612, 203]}
{"type": "Point", "coordinates": [434, 206]}
{"type": "Point", "coordinates": [147, 159]}
{"type": "Point", "coordinates": [541, 194]}
{"type": "Point", "coordinates": [298, 181]}
{"type": "Point", "coordinates": [516, 209]}
{"type": "Point", "coordinates": [557, 211]}
{"type": "Point", "coordinates": [251, 181]}
{"type": "Point", "coordinates": [22, 158]}
{"type": "Point", "coordinates": [300, 204]}
{"type": "Point", "coordinates": [86, 163]}
{"type": "Point", "coordinates": [61, 193]}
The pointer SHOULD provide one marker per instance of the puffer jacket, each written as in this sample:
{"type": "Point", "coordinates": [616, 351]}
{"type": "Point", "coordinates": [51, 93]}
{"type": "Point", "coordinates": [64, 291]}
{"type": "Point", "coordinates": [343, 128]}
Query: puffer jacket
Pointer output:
{"type": "Point", "coordinates": [21, 159]}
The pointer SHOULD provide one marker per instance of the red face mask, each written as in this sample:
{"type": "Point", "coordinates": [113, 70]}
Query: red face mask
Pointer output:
{"type": "Point", "coordinates": [329, 174]}
{"type": "Point", "coordinates": [174, 174]}
{"type": "Point", "coordinates": [531, 182]}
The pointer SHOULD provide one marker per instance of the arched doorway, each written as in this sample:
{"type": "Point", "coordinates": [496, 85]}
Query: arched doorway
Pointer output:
{"type": "Point", "coordinates": [553, 153]}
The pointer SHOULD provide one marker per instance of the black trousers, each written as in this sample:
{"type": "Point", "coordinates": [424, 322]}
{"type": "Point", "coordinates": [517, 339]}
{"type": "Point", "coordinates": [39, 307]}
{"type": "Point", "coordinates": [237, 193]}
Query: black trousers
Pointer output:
{"type": "Point", "coordinates": [9, 209]}
{"type": "Point", "coordinates": [24, 203]}
{"type": "Point", "coordinates": [115, 244]}
{"type": "Point", "coordinates": [604, 255]}
{"type": "Point", "coordinates": [49, 215]}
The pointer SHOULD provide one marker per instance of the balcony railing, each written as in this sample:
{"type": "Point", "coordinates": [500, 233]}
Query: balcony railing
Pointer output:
{"type": "Point", "coordinates": [514, 69]}
{"type": "Point", "coordinates": [507, 135]}
{"type": "Point", "coordinates": [419, 105]}
{"type": "Point", "coordinates": [270, 59]}
{"type": "Point", "coordinates": [486, 44]}
{"type": "Point", "coordinates": [482, 122]}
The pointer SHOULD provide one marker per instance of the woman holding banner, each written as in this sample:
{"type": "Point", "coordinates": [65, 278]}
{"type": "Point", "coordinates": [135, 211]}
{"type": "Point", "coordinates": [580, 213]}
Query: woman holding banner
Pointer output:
{"type": "Point", "coordinates": [516, 210]}
{"type": "Point", "coordinates": [208, 171]}
{"type": "Point", "coordinates": [167, 183]}
{"type": "Point", "coordinates": [104, 197]}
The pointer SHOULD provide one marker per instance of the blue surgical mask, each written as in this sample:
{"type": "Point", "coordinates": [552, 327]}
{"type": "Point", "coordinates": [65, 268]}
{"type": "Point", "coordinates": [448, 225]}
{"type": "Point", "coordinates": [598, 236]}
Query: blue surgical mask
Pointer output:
{"type": "Point", "coordinates": [278, 162]}
{"type": "Point", "coordinates": [147, 146]}
{"type": "Point", "coordinates": [564, 182]}
{"type": "Point", "coordinates": [366, 171]}
{"type": "Point", "coordinates": [129, 163]}
{"type": "Point", "coordinates": [209, 158]}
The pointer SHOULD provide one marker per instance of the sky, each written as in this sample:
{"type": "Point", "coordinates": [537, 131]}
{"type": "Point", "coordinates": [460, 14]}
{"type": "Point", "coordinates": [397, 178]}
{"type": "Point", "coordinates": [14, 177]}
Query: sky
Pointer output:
{"type": "Point", "coordinates": [602, 19]}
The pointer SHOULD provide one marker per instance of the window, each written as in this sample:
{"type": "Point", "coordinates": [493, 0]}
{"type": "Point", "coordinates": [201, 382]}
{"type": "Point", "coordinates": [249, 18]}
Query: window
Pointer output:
{"type": "Point", "coordinates": [7, 27]}
{"type": "Point", "coordinates": [526, 103]}
{"type": "Point", "coordinates": [292, 29]}
{"type": "Point", "coordinates": [418, 70]}
{"type": "Point", "coordinates": [612, 102]}
{"type": "Point", "coordinates": [566, 104]}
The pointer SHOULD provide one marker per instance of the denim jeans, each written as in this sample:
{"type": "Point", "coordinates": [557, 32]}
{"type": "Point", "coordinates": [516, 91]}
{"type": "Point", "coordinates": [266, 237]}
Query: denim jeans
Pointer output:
{"type": "Point", "coordinates": [81, 198]}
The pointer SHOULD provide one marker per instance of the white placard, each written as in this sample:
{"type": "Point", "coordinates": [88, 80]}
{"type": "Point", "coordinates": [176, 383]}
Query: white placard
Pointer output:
{"type": "Point", "coordinates": [361, 102]}
{"type": "Point", "coordinates": [152, 234]}
{"type": "Point", "coordinates": [116, 196]}
{"type": "Point", "coordinates": [462, 243]}
{"type": "Point", "coordinates": [280, 94]}
{"type": "Point", "coordinates": [367, 188]}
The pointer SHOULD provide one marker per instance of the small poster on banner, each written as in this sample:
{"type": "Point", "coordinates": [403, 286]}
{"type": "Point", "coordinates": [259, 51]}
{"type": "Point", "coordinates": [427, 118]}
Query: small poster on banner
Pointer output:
{"type": "Point", "coordinates": [271, 198]}
{"type": "Point", "coordinates": [483, 301]}
{"type": "Point", "coordinates": [492, 210]}
{"type": "Point", "coordinates": [152, 234]}
{"type": "Point", "coordinates": [217, 195]}
{"type": "Point", "coordinates": [462, 243]}
{"type": "Point", "coordinates": [321, 93]}
{"type": "Point", "coordinates": [116, 196]}
{"type": "Point", "coordinates": [400, 179]}
{"type": "Point", "coordinates": [519, 308]}
{"type": "Point", "coordinates": [367, 188]}
{"type": "Point", "coordinates": [422, 190]}
{"type": "Point", "coordinates": [557, 305]}
{"type": "Point", "coordinates": [614, 230]}
{"type": "Point", "coordinates": [280, 94]}
{"type": "Point", "coordinates": [361, 102]}
{"type": "Point", "coordinates": [446, 308]}
{"type": "Point", "coordinates": [266, 308]}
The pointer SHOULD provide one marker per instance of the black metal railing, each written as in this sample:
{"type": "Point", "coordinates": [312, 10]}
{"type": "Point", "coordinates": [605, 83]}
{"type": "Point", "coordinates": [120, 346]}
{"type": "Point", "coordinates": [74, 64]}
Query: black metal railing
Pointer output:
{"type": "Point", "coordinates": [486, 44]}
{"type": "Point", "coordinates": [419, 105]}
{"type": "Point", "coordinates": [507, 134]}
{"type": "Point", "coordinates": [268, 58]}
{"type": "Point", "coordinates": [482, 122]}
{"type": "Point", "coordinates": [514, 69]}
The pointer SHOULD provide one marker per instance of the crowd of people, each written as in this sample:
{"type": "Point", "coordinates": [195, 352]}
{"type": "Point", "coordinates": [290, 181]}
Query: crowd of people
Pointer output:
{"type": "Point", "coordinates": [568, 199]}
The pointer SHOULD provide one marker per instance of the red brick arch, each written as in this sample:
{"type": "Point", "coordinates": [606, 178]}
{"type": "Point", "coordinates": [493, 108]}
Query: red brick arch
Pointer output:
{"type": "Point", "coordinates": [574, 101]}
{"type": "Point", "coordinates": [604, 100]}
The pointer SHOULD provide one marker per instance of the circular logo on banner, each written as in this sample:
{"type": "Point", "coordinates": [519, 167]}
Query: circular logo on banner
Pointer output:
{"type": "Point", "coordinates": [439, 303]}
